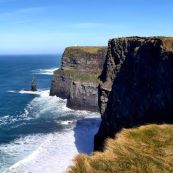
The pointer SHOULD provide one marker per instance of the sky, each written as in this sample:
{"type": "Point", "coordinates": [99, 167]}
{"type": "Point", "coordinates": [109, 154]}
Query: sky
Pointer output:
{"type": "Point", "coordinates": [48, 26]}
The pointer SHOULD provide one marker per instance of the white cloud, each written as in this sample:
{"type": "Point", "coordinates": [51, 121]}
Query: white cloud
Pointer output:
{"type": "Point", "coordinates": [23, 11]}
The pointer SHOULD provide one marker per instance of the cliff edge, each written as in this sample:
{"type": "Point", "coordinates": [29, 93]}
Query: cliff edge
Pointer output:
{"type": "Point", "coordinates": [146, 149]}
{"type": "Point", "coordinates": [136, 85]}
{"type": "Point", "coordinates": [77, 79]}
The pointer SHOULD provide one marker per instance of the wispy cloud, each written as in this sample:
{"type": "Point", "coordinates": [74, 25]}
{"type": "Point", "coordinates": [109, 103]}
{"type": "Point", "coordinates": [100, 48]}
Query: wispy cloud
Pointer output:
{"type": "Point", "coordinates": [22, 15]}
{"type": "Point", "coordinates": [95, 25]}
{"type": "Point", "coordinates": [24, 11]}
{"type": "Point", "coordinates": [31, 10]}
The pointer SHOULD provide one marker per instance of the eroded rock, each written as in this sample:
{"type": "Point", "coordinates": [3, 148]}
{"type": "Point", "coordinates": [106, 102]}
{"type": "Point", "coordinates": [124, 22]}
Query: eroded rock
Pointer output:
{"type": "Point", "coordinates": [77, 79]}
{"type": "Point", "coordinates": [136, 85]}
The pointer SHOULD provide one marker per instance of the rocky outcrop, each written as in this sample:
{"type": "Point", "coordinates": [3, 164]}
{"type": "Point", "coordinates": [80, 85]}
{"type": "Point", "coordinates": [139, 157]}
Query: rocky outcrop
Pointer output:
{"type": "Point", "coordinates": [83, 96]}
{"type": "Point", "coordinates": [90, 59]}
{"type": "Point", "coordinates": [77, 79]}
{"type": "Point", "coordinates": [136, 85]}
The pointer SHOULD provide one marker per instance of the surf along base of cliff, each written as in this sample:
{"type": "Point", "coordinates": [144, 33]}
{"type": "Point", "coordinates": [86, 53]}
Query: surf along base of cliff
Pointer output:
{"type": "Point", "coordinates": [54, 139]}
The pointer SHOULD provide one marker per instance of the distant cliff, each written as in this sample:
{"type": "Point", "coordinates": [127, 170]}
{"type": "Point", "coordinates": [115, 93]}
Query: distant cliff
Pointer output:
{"type": "Point", "coordinates": [77, 79]}
{"type": "Point", "coordinates": [136, 85]}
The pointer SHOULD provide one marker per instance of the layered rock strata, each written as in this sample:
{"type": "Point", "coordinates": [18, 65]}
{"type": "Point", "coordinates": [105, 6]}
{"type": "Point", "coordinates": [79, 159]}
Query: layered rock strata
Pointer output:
{"type": "Point", "coordinates": [77, 79]}
{"type": "Point", "coordinates": [136, 85]}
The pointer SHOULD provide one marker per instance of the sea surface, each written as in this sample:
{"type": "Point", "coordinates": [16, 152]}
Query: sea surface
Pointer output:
{"type": "Point", "coordinates": [38, 133]}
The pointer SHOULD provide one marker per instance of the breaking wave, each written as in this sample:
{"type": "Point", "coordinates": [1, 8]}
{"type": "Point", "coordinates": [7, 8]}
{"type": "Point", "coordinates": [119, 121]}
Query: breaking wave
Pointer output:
{"type": "Point", "coordinates": [47, 152]}
{"type": "Point", "coordinates": [45, 71]}
{"type": "Point", "coordinates": [42, 153]}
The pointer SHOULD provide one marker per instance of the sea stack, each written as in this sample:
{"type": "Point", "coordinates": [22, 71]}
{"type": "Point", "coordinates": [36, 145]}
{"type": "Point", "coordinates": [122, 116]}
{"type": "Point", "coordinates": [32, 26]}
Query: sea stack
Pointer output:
{"type": "Point", "coordinates": [33, 85]}
{"type": "Point", "coordinates": [136, 85]}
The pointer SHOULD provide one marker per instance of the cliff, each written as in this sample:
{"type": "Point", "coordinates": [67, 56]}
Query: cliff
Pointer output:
{"type": "Point", "coordinates": [136, 85]}
{"type": "Point", "coordinates": [77, 79]}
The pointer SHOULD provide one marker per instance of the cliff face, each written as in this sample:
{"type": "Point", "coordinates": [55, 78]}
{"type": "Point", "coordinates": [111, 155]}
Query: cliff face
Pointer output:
{"type": "Point", "coordinates": [89, 59]}
{"type": "Point", "coordinates": [136, 85]}
{"type": "Point", "coordinates": [77, 79]}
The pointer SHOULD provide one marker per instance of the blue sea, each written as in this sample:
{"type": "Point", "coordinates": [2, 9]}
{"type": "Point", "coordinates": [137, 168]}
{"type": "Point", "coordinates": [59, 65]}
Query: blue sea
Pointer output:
{"type": "Point", "coordinates": [38, 133]}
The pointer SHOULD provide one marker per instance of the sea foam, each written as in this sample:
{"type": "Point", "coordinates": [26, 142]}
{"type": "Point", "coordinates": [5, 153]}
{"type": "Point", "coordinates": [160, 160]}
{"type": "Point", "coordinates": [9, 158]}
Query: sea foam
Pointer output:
{"type": "Point", "coordinates": [52, 152]}
{"type": "Point", "coordinates": [37, 107]}
{"type": "Point", "coordinates": [45, 71]}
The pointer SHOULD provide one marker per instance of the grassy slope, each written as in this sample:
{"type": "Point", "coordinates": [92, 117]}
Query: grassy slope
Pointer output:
{"type": "Point", "coordinates": [147, 149]}
{"type": "Point", "coordinates": [79, 76]}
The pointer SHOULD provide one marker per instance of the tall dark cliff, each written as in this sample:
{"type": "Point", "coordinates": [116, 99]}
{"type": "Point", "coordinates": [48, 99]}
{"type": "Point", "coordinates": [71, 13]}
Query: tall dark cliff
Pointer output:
{"type": "Point", "coordinates": [136, 85]}
{"type": "Point", "coordinates": [77, 79]}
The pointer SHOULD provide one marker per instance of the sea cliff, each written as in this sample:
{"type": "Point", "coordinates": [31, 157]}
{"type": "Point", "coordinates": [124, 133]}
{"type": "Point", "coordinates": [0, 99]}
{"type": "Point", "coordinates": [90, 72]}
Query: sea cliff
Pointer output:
{"type": "Point", "coordinates": [136, 86]}
{"type": "Point", "coordinates": [78, 77]}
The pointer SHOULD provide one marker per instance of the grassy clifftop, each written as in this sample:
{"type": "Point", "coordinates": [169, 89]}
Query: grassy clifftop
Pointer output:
{"type": "Point", "coordinates": [90, 59]}
{"type": "Point", "coordinates": [85, 49]}
{"type": "Point", "coordinates": [147, 149]}
{"type": "Point", "coordinates": [79, 75]}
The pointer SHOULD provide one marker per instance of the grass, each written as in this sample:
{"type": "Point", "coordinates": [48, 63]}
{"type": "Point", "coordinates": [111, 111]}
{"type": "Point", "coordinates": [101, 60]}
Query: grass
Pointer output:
{"type": "Point", "coordinates": [166, 41]}
{"type": "Point", "coordinates": [147, 149]}
{"type": "Point", "coordinates": [77, 75]}
{"type": "Point", "coordinates": [84, 49]}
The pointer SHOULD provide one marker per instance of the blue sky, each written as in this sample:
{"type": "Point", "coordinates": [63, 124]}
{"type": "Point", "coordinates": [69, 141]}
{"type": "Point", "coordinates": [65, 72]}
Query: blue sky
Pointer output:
{"type": "Point", "coordinates": [48, 26]}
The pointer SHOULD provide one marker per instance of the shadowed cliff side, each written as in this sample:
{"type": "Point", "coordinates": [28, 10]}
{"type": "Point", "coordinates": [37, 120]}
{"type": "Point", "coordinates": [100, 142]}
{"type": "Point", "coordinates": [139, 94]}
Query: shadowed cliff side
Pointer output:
{"type": "Point", "coordinates": [77, 79]}
{"type": "Point", "coordinates": [136, 85]}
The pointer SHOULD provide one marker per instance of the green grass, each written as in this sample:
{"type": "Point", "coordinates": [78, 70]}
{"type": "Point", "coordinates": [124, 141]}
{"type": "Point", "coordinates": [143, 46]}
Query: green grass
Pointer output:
{"type": "Point", "coordinates": [77, 75]}
{"type": "Point", "coordinates": [147, 149]}
{"type": "Point", "coordinates": [84, 49]}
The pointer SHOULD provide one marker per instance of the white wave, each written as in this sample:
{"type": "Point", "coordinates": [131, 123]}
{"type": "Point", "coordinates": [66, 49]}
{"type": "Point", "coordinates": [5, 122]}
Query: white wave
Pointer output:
{"type": "Point", "coordinates": [11, 91]}
{"type": "Point", "coordinates": [46, 104]}
{"type": "Point", "coordinates": [54, 105]}
{"type": "Point", "coordinates": [37, 107]}
{"type": "Point", "coordinates": [49, 153]}
{"type": "Point", "coordinates": [68, 122]}
{"type": "Point", "coordinates": [26, 92]}
{"type": "Point", "coordinates": [9, 119]}
{"type": "Point", "coordinates": [38, 92]}
{"type": "Point", "coordinates": [45, 71]}
{"type": "Point", "coordinates": [43, 105]}
{"type": "Point", "coordinates": [46, 153]}
{"type": "Point", "coordinates": [53, 153]}
{"type": "Point", "coordinates": [30, 92]}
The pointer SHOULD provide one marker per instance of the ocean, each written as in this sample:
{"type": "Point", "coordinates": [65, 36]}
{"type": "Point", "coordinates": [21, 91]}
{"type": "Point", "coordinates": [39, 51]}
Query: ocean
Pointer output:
{"type": "Point", "coordinates": [38, 133]}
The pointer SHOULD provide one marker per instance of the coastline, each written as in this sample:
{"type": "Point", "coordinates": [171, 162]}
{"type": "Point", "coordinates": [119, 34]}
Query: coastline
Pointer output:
{"type": "Point", "coordinates": [44, 135]}
{"type": "Point", "coordinates": [56, 151]}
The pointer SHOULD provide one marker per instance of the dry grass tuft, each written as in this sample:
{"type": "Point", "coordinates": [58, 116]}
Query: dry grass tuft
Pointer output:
{"type": "Point", "coordinates": [147, 149]}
